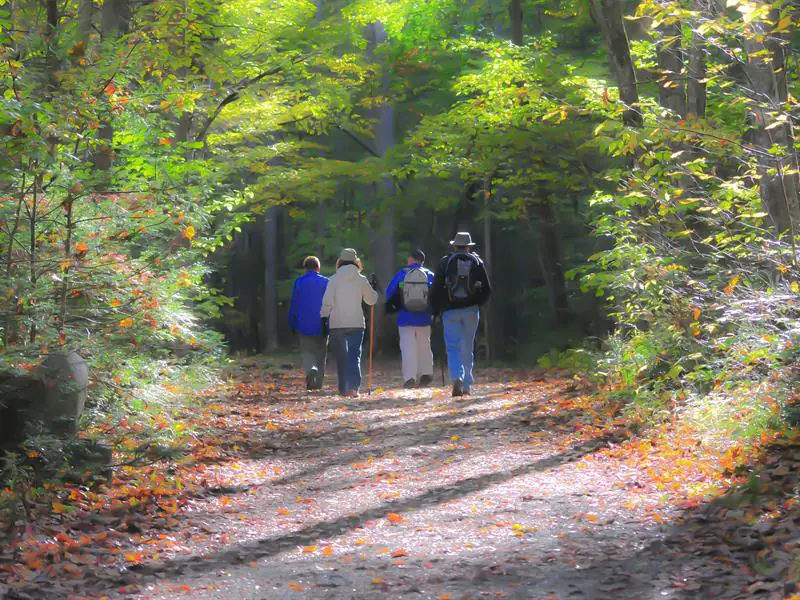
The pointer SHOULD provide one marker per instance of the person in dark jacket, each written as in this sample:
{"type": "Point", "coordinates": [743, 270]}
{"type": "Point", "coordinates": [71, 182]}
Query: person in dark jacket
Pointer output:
{"type": "Point", "coordinates": [460, 286]}
{"type": "Point", "coordinates": [414, 326]}
{"type": "Point", "coordinates": [307, 295]}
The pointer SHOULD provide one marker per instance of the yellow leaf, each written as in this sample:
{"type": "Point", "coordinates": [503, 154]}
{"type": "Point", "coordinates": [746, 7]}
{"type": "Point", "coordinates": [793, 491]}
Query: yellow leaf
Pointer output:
{"type": "Point", "coordinates": [189, 232]}
{"type": "Point", "coordinates": [378, 581]}
{"type": "Point", "coordinates": [58, 508]}
{"type": "Point", "coordinates": [128, 322]}
{"type": "Point", "coordinates": [783, 24]}
{"type": "Point", "coordinates": [795, 287]}
{"type": "Point", "coordinates": [455, 438]}
{"type": "Point", "coordinates": [309, 549]}
{"type": "Point", "coordinates": [360, 542]}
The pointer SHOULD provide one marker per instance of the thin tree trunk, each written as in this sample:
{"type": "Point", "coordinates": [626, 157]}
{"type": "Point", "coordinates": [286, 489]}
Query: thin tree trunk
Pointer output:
{"type": "Point", "coordinates": [487, 255]}
{"type": "Point", "coordinates": [609, 17]}
{"type": "Point", "coordinates": [383, 238]}
{"type": "Point", "coordinates": [515, 16]}
{"type": "Point", "coordinates": [671, 89]}
{"type": "Point", "coordinates": [270, 324]}
{"type": "Point", "coordinates": [551, 263]}
{"type": "Point", "coordinates": [114, 22]}
{"type": "Point", "coordinates": [766, 73]}
{"type": "Point", "coordinates": [696, 87]}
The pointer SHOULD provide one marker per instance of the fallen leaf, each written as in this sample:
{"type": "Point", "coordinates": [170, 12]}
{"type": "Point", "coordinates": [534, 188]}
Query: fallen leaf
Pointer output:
{"type": "Point", "coordinates": [399, 553]}
{"type": "Point", "coordinates": [395, 518]}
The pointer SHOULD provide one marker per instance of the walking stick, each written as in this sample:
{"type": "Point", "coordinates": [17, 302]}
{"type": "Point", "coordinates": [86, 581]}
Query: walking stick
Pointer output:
{"type": "Point", "coordinates": [371, 340]}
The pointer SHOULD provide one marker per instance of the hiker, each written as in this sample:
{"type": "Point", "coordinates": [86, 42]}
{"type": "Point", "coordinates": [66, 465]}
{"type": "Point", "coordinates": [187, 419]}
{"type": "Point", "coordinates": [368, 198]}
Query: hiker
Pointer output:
{"type": "Point", "coordinates": [304, 319]}
{"type": "Point", "coordinates": [460, 287]}
{"type": "Point", "coordinates": [343, 315]}
{"type": "Point", "coordinates": [408, 295]}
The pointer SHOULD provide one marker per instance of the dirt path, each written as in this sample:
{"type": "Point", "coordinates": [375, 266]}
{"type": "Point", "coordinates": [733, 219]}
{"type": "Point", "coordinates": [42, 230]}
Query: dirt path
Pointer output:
{"type": "Point", "coordinates": [415, 494]}
{"type": "Point", "coordinates": [529, 488]}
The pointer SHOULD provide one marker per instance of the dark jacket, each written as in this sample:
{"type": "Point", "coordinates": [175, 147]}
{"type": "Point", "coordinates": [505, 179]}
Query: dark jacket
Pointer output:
{"type": "Point", "coordinates": [440, 296]}
{"type": "Point", "coordinates": [306, 303]}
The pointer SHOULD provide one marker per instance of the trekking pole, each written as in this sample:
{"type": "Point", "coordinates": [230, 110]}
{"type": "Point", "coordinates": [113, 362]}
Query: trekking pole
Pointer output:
{"type": "Point", "coordinates": [371, 341]}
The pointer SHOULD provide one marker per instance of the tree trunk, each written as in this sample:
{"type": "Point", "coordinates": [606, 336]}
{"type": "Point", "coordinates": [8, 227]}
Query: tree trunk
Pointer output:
{"type": "Point", "coordinates": [609, 17]}
{"type": "Point", "coordinates": [270, 323]}
{"type": "Point", "coordinates": [696, 88]}
{"type": "Point", "coordinates": [671, 90]}
{"type": "Point", "coordinates": [114, 21]}
{"type": "Point", "coordinates": [766, 73]}
{"type": "Point", "coordinates": [551, 265]}
{"type": "Point", "coordinates": [383, 241]}
{"type": "Point", "coordinates": [515, 16]}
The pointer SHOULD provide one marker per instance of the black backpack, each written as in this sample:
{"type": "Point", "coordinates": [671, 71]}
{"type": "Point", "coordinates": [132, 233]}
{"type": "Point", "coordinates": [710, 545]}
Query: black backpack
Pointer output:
{"type": "Point", "coordinates": [458, 277]}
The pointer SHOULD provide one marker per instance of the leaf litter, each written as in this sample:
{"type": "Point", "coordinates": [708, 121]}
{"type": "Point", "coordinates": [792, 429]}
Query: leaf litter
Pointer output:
{"type": "Point", "coordinates": [533, 483]}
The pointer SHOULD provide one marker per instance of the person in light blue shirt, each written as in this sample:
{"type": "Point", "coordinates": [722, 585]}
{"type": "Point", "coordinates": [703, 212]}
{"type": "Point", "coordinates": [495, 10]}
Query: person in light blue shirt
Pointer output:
{"type": "Point", "coordinates": [304, 319]}
{"type": "Point", "coordinates": [407, 294]}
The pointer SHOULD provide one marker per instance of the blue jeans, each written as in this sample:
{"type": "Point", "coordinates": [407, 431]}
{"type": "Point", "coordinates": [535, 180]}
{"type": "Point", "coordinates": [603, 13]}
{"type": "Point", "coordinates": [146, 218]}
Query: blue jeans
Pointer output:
{"type": "Point", "coordinates": [346, 344]}
{"type": "Point", "coordinates": [460, 327]}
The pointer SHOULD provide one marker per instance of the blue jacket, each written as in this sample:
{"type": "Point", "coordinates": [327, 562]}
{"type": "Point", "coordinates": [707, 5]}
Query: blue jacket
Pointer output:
{"type": "Point", "coordinates": [406, 318]}
{"type": "Point", "coordinates": [306, 303]}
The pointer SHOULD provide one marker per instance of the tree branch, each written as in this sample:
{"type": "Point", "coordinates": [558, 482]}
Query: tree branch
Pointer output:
{"type": "Point", "coordinates": [234, 95]}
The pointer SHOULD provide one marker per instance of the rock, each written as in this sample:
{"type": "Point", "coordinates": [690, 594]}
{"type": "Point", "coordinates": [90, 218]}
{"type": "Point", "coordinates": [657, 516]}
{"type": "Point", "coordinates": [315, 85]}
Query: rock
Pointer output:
{"type": "Point", "coordinates": [65, 377]}
{"type": "Point", "coordinates": [54, 395]}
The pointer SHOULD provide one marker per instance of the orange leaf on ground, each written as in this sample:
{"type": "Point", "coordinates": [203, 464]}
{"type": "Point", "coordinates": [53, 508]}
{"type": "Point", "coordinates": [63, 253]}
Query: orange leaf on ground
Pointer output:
{"type": "Point", "coordinates": [378, 581]}
{"type": "Point", "coordinates": [284, 511]}
{"type": "Point", "coordinates": [399, 553]}
{"type": "Point", "coordinates": [309, 549]}
{"type": "Point", "coordinates": [395, 518]}
{"type": "Point", "coordinates": [58, 508]}
{"type": "Point", "coordinates": [327, 550]}
{"type": "Point", "coordinates": [294, 586]}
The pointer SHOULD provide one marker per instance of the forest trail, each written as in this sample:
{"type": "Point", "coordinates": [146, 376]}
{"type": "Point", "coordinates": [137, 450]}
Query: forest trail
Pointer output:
{"type": "Point", "coordinates": [513, 492]}
{"type": "Point", "coordinates": [415, 494]}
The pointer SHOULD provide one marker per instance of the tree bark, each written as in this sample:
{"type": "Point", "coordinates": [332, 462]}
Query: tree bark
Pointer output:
{"type": "Point", "coordinates": [696, 86]}
{"type": "Point", "coordinates": [114, 22]}
{"type": "Point", "coordinates": [671, 89]}
{"type": "Point", "coordinates": [551, 265]}
{"type": "Point", "coordinates": [768, 92]}
{"type": "Point", "coordinates": [383, 244]}
{"type": "Point", "coordinates": [515, 16]}
{"type": "Point", "coordinates": [609, 17]}
{"type": "Point", "coordinates": [270, 322]}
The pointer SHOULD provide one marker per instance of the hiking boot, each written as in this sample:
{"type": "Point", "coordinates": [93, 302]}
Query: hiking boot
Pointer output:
{"type": "Point", "coordinates": [425, 380]}
{"type": "Point", "coordinates": [310, 380]}
{"type": "Point", "coordinates": [409, 384]}
{"type": "Point", "coordinates": [458, 388]}
{"type": "Point", "coordinates": [353, 394]}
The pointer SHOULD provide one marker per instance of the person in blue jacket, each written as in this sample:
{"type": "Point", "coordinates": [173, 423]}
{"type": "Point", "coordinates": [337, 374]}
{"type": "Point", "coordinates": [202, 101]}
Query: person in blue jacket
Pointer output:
{"type": "Point", "coordinates": [304, 319]}
{"type": "Point", "coordinates": [407, 294]}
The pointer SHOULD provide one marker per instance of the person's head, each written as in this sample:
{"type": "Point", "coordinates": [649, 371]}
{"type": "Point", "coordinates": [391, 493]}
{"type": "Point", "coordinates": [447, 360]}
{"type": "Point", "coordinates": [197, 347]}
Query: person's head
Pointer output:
{"type": "Point", "coordinates": [348, 256]}
{"type": "Point", "coordinates": [416, 256]}
{"type": "Point", "coordinates": [311, 263]}
{"type": "Point", "coordinates": [462, 242]}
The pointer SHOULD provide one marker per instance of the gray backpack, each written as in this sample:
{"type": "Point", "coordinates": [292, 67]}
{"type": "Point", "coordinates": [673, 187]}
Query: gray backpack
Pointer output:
{"type": "Point", "coordinates": [415, 291]}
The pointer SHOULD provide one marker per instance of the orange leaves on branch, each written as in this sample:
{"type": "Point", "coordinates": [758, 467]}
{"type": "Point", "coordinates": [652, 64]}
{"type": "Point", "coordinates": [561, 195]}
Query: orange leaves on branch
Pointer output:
{"type": "Point", "coordinates": [164, 141]}
{"type": "Point", "coordinates": [125, 323]}
{"type": "Point", "coordinates": [81, 248]}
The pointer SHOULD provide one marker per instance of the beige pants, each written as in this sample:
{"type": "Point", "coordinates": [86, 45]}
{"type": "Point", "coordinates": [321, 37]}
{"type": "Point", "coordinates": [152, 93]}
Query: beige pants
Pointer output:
{"type": "Point", "coordinates": [415, 346]}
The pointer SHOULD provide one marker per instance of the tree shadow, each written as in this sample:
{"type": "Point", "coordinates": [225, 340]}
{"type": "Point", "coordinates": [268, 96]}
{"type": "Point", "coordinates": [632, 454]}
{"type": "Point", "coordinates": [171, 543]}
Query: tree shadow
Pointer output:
{"type": "Point", "coordinates": [272, 546]}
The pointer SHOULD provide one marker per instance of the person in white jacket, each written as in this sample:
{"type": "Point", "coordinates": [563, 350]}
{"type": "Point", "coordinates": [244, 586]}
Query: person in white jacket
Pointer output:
{"type": "Point", "coordinates": [343, 315]}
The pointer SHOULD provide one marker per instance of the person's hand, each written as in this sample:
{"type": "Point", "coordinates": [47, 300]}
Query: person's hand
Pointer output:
{"type": "Point", "coordinates": [326, 329]}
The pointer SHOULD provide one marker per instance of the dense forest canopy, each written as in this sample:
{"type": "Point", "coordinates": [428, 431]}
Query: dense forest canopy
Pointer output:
{"type": "Point", "coordinates": [627, 168]}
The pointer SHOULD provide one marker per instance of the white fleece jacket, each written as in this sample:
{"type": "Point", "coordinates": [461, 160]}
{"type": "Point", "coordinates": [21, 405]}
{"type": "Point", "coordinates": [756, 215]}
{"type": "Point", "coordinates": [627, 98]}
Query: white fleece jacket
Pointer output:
{"type": "Point", "coordinates": [347, 288]}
